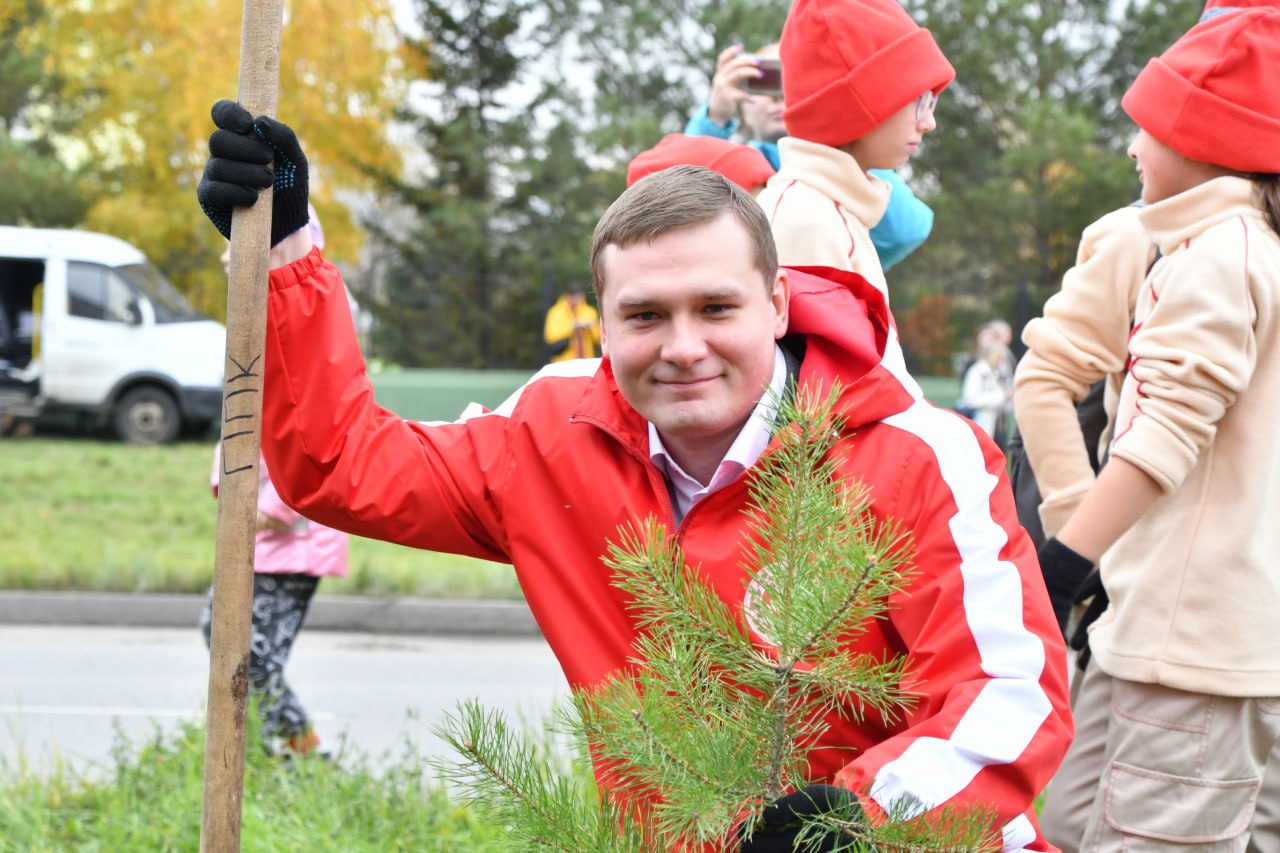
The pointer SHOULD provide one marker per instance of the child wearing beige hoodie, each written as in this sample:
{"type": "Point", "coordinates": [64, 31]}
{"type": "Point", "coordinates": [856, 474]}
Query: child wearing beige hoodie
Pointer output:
{"type": "Point", "coordinates": [1180, 709]}
{"type": "Point", "coordinates": [861, 79]}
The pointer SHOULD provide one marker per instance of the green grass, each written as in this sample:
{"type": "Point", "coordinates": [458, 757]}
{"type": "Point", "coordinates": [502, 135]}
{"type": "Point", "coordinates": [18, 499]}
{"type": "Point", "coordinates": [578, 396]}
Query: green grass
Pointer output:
{"type": "Point", "coordinates": [151, 799]}
{"type": "Point", "coordinates": [88, 514]}
{"type": "Point", "coordinates": [942, 390]}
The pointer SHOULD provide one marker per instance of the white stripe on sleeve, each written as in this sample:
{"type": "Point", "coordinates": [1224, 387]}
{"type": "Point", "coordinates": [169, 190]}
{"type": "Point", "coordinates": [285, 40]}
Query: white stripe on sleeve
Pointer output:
{"type": "Point", "coordinates": [1011, 707]}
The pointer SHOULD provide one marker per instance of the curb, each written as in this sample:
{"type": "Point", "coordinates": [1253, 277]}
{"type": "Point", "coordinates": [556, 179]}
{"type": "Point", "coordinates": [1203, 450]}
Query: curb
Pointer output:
{"type": "Point", "coordinates": [420, 616]}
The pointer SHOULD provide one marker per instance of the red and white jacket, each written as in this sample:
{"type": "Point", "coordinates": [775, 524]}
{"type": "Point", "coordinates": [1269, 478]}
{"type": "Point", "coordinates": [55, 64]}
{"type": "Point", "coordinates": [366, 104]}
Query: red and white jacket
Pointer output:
{"type": "Point", "coordinates": [546, 481]}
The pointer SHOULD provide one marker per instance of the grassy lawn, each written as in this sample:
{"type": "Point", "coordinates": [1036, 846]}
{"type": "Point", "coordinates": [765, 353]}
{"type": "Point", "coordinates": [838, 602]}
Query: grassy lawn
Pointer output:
{"type": "Point", "coordinates": [150, 799]}
{"type": "Point", "coordinates": [90, 514]}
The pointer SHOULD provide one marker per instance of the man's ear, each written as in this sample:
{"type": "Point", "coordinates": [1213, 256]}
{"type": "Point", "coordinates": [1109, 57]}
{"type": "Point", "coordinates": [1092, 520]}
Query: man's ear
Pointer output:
{"type": "Point", "coordinates": [604, 338]}
{"type": "Point", "coordinates": [780, 297]}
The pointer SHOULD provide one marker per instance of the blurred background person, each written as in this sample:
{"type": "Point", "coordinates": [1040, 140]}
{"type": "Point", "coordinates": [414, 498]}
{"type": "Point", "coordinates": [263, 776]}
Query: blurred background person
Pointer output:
{"type": "Point", "coordinates": [572, 327]}
{"type": "Point", "coordinates": [1001, 333]}
{"type": "Point", "coordinates": [290, 556]}
{"type": "Point", "coordinates": [983, 397]}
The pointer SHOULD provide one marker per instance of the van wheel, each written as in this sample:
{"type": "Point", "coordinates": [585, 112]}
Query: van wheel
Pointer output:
{"type": "Point", "coordinates": [147, 415]}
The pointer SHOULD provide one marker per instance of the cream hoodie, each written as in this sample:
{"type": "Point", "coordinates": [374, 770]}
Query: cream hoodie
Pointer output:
{"type": "Point", "coordinates": [1083, 337]}
{"type": "Point", "coordinates": [1195, 583]}
{"type": "Point", "coordinates": [822, 206]}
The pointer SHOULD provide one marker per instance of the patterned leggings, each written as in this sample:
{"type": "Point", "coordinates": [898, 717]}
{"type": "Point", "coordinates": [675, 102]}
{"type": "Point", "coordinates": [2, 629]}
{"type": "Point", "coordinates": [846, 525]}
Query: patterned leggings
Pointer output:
{"type": "Point", "coordinates": [280, 603]}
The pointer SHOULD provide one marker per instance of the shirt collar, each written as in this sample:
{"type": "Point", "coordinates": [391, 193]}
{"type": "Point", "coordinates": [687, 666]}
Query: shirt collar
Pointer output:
{"type": "Point", "coordinates": [743, 453]}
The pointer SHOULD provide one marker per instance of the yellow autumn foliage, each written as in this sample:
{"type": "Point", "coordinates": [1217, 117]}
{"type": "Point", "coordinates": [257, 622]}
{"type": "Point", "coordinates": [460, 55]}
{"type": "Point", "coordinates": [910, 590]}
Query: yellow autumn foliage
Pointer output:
{"type": "Point", "coordinates": [149, 71]}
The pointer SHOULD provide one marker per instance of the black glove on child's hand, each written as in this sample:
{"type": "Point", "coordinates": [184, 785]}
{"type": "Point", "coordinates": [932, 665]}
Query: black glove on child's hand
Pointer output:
{"type": "Point", "coordinates": [1064, 571]}
{"type": "Point", "coordinates": [783, 820]}
{"type": "Point", "coordinates": [240, 150]}
{"type": "Point", "coordinates": [1093, 592]}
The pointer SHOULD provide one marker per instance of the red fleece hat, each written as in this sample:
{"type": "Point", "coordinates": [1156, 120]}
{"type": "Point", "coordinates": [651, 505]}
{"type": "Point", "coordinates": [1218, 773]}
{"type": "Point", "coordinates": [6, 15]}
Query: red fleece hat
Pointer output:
{"type": "Point", "coordinates": [742, 164]}
{"type": "Point", "coordinates": [847, 65]}
{"type": "Point", "coordinates": [1212, 95]}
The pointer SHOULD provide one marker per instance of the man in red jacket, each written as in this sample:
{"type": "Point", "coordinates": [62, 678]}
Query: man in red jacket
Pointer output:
{"type": "Point", "coordinates": [698, 321]}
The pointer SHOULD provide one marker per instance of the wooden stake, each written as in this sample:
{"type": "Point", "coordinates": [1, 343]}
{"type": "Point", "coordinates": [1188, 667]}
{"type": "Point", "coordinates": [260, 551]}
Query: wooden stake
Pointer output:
{"type": "Point", "coordinates": [241, 440]}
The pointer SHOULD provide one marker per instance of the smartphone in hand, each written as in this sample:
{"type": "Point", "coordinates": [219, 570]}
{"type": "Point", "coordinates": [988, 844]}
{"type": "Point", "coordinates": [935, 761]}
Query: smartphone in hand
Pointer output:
{"type": "Point", "coordinates": [770, 80]}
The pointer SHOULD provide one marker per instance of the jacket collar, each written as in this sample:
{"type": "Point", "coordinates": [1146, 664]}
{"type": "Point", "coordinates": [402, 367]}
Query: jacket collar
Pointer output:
{"type": "Point", "coordinates": [835, 174]}
{"type": "Point", "coordinates": [1190, 213]}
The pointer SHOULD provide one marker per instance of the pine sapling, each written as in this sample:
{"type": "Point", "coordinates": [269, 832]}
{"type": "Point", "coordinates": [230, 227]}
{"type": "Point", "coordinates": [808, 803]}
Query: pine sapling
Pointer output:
{"type": "Point", "coordinates": [720, 707]}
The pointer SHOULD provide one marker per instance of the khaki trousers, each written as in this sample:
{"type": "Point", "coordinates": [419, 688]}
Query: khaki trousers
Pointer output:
{"type": "Point", "coordinates": [1153, 768]}
{"type": "Point", "coordinates": [1264, 835]}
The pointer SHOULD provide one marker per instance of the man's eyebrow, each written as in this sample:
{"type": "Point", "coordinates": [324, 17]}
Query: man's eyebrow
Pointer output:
{"type": "Point", "coordinates": [720, 294]}
{"type": "Point", "coordinates": [631, 304]}
{"type": "Point", "coordinates": [715, 294]}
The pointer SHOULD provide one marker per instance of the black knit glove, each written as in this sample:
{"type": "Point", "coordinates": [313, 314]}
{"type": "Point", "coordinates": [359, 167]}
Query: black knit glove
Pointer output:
{"type": "Point", "coordinates": [783, 820]}
{"type": "Point", "coordinates": [240, 150]}
{"type": "Point", "coordinates": [1064, 571]}
{"type": "Point", "coordinates": [1093, 592]}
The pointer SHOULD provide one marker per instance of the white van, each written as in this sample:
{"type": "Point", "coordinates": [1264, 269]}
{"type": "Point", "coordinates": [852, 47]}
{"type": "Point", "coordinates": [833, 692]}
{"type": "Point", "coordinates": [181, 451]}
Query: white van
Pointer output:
{"type": "Point", "coordinates": [88, 324]}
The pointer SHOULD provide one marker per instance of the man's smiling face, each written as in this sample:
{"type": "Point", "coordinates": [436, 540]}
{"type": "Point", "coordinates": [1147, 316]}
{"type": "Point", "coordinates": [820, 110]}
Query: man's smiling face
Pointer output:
{"type": "Point", "coordinates": [689, 326]}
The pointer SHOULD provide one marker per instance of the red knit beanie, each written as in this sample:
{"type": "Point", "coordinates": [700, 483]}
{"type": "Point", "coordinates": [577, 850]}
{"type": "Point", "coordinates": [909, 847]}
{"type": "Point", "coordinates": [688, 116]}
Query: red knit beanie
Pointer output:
{"type": "Point", "coordinates": [742, 164]}
{"type": "Point", "coordinates": [848, 65]}
{"type": "Point", "coordinates": [1211, 97]}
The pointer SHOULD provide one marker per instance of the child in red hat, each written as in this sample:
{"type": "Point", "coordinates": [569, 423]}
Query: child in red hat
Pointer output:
{"type": "Point", "coordinates": [1179, 710]}
{"type": "Point", "coordinates": [860, 79]}
{"type": "Point", "coordinates": [907, 221]}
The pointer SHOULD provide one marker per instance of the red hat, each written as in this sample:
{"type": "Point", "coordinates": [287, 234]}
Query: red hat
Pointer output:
{"type": "Point", "coordinates": [847, 65]}
{"type": "Point", "coordinates": [742, 164]}
{"type": "Point", "coordinates": [1208, 96]}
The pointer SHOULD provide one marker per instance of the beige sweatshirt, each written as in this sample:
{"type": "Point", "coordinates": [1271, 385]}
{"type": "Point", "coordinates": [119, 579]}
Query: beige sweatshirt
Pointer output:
{"type": "Point", "coordinates": [1195, 583]}
{"type": "Point", "coordinates": [1083, 337]}
{"type": "Point", "coordinates": [822, 206]}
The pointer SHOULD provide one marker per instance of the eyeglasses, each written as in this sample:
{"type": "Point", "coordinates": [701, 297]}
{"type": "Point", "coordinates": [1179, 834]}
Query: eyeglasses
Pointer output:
{"type": "Point", "coordinates": [924, 106]}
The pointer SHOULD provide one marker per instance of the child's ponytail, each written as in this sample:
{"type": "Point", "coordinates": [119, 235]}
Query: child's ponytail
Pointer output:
{"type": "Point", "coordinates": [1267, 188]}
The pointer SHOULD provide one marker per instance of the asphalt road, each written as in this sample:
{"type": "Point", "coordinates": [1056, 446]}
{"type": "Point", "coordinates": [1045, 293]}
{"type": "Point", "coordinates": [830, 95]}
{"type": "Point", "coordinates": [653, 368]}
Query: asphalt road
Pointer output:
{"type": "Point", "coordinates": [68, 693]}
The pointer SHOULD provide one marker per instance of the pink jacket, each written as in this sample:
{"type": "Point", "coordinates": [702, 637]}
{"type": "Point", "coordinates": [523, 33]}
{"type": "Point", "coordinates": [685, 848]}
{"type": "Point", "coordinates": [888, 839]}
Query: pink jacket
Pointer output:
{"type": "Point", "coordinates": [307, 548]}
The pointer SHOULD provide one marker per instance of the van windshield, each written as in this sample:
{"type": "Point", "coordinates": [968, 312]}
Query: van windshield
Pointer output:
{"type": "Point", "coordinates": [170, 305]}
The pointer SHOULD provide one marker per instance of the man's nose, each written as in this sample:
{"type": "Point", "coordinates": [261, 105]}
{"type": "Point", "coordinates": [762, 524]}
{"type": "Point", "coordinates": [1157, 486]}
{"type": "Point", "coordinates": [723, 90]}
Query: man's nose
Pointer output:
{"type": "Point", "coordinates": [685, 344]}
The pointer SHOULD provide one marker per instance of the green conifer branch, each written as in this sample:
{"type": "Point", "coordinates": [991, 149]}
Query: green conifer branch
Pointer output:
{"type": "Point", "coordinates": [696, 749]}
{"type": "Point", "coordinates": [511, 780]}
{"type": "Point", "coordinates": [718, 708]}
{"type": "Point", "coordinates": [668, 596]}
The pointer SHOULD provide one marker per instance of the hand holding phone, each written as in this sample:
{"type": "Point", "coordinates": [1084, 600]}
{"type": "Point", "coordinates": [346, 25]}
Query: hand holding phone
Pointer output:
{"type": "Point", "coordinates": [769, 81]}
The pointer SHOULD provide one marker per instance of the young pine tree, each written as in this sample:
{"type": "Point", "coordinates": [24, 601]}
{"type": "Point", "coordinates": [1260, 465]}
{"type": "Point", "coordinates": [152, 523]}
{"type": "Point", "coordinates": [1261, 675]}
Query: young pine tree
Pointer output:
{"type": "Point", "coordinates": [710, 724]}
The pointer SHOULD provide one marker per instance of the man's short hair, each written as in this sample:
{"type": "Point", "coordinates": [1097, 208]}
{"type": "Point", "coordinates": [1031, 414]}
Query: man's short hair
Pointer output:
{"type": "Point", "coordinates": [675, 199]}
